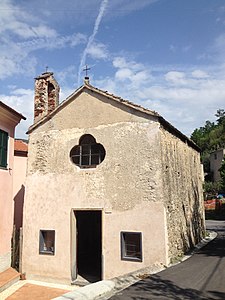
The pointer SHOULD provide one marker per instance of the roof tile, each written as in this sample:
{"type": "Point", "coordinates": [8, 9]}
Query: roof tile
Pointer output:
{"type": "Point", "coordinates": [20, 145]}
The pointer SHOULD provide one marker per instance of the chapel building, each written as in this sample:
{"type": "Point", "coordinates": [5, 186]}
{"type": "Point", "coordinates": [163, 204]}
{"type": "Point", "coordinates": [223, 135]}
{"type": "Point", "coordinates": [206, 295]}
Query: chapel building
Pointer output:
{"type": "Point", "coordinates": [111, 187]}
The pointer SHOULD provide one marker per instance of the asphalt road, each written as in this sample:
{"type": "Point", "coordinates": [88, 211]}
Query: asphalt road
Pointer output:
{"type": "Point", "coordinates": [200, 277]}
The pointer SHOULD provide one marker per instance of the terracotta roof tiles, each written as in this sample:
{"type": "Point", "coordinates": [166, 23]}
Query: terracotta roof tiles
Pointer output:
{"type": "Point", "coordinates": [20, 145]}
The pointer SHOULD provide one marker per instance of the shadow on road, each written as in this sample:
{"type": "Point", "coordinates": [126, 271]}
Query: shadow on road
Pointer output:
{"type": "Point", "coordinates": [217, 246]}
{"type": "Point", "coordinates": [155, 287]}
{"type": "Point", "coordinates": [200, 277]}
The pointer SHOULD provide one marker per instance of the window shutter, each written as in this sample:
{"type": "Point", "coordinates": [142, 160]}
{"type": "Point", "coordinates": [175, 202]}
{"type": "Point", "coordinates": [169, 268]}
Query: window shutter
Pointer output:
{"type": "Point", "coordinates": [3, 148]}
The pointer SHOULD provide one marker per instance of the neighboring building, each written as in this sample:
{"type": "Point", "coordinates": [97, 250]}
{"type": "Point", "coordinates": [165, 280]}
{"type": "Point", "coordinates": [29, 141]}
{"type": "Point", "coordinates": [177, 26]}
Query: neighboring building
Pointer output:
{"type": "Point", "coordinates": [111, 187]}
{"type": "Point", "coordinates": [9, 118]}
{"type": "Point", "coordinates": [19, 176]}
{"type": "Point", "coordinates": [216, 158]}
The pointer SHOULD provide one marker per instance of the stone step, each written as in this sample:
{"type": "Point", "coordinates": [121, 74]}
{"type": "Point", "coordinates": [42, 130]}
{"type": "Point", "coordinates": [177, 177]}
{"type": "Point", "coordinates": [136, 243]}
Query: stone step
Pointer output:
{"type": "Point", "coordinates": [8, 278]}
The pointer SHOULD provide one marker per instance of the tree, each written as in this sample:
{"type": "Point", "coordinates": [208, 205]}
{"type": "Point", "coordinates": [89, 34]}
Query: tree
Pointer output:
{"type": "Point", "coordinates": [209, 138]}
{"type": "Point", "coordinates": [220, 114]}
{"type": "Point", "coordinates": [211, 188]}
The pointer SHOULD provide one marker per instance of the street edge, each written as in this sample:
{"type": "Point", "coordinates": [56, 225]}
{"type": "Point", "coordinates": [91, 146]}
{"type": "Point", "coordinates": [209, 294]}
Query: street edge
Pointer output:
{"type": "Point", "coordinates": [204, 242]}
{"type": "Point", "coordinates": [105, 289]}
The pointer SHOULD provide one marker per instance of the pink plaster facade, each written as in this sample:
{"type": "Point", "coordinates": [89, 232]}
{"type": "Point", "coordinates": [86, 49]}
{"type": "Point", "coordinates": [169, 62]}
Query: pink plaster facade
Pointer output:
{"type": "Point", "coordinates": [19, 176]}
{"type": "Point", "coordinates": [8, 121]}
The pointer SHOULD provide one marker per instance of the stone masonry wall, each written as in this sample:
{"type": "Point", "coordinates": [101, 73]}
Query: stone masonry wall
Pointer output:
{"type": "Point", "coordinates": [46, 97]}
{"type": "Point", "coordinates": [183, 195]}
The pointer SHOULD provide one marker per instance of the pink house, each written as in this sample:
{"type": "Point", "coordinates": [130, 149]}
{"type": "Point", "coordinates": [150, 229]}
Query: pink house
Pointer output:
{"type": "Point", "coordinates": [19, 175]}
{"type": "Point", "coordinates": [9, 118]}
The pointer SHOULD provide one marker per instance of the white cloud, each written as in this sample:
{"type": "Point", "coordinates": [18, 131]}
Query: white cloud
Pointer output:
{"type": "Point", "coordinates": [7, 67]}
{"type": "Point", "coordinates": [65, 75]}
{"type": "Point", "coordinates": [22, 33]}
{"type": "Point", "coordinates": [175, 77]}
{"type": "Point", "coordinates": [81, 12]}
{"type": "Point", "coordinates": [216, 50]}
{"type": "Point", "coordinates": [123, 74]}
{"type": "Point", "coordinates": [51, 43]}
{"type": "Point", "coordinates": [186, 107]}
{"type": "Point", "coordinates": [130, 73]}
{"type": "Point", "coordinates": [19, 23]}
{"type": "Point", "coordinates": [199, 74]}
{"type": "Point", "coordinates": [25, 31]}
{"type": "Point", "coordinates": [91, 38]}
{"type": "Point", "coordinates": [121, 62]}
{"type": "Point", "coordinates": [185, 98]}
{"type": "Point", "coordinates": [22, 101]}
{"type": "Point", "coordinates": [124, 7]}
{"type": "Point", "coordinates": [97, 51]}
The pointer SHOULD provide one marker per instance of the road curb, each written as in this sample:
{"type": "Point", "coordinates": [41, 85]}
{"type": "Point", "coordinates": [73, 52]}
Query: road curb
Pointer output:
{"type": "Point", "coordinates": [107, 288]}
{"type": "Point", "coordinates": [123, 282]}
{"type": "Point", "coordinates": [90, 292]}
{"type": "Point", "coordinates": [204, 242]}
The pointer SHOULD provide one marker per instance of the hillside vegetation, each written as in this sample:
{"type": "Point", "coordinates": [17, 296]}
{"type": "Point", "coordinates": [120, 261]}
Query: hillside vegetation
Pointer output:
{"type": "Point", "coordinates": [210, 137]}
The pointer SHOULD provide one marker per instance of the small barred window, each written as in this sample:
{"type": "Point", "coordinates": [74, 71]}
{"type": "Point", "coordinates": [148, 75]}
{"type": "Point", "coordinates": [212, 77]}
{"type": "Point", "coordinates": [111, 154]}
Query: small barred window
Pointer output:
{"type": "Point", "coordinates": [47, 242]}
{"type": "Point", "coordinates": [131, 246]}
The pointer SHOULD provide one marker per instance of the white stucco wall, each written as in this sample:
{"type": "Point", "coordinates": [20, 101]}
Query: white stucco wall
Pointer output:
{"type": "Point", "coordinates": [126, 186]}
{"type": "Point", "coordinates": [149, 182]}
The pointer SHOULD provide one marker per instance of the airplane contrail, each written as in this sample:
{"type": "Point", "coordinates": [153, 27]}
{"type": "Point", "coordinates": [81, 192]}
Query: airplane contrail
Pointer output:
{"type": "Point", "coordinates": [91, 37]}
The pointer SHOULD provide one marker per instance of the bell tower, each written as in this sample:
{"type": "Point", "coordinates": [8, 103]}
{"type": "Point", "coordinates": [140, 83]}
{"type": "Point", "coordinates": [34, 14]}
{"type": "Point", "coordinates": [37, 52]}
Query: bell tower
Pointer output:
{"type": "Point", "coordinates": [46, 97]}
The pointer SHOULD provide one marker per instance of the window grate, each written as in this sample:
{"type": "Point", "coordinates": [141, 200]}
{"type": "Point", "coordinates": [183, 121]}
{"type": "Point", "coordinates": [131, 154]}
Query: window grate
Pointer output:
{"type": "Point", "coordinates": [47, 242]}
{"type": "Point", "coordinates": [88, 153]}
{"type": "Point", "coordinates": [131, 246]}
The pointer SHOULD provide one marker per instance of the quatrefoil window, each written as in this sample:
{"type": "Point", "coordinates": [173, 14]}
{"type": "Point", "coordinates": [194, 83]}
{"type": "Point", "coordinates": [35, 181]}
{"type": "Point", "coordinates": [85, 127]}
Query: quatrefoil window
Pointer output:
{"type": "Point", "coordinates": [88, 154]}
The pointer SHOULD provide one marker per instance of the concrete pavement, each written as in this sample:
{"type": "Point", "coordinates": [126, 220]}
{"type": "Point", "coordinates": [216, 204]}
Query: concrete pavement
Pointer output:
{"type": "Point", "coordinates": [92, 291]}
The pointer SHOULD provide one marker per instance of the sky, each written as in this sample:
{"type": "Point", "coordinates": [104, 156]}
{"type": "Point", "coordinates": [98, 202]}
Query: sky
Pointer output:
{"type": "Point", "coordinates": [166, 55]}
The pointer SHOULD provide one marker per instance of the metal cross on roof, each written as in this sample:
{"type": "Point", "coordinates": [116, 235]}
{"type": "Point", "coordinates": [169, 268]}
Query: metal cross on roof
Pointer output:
{"type": "Point", "coordinates": [86, 69]}
{"type": "Point", "coordinates": [46, 69]}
